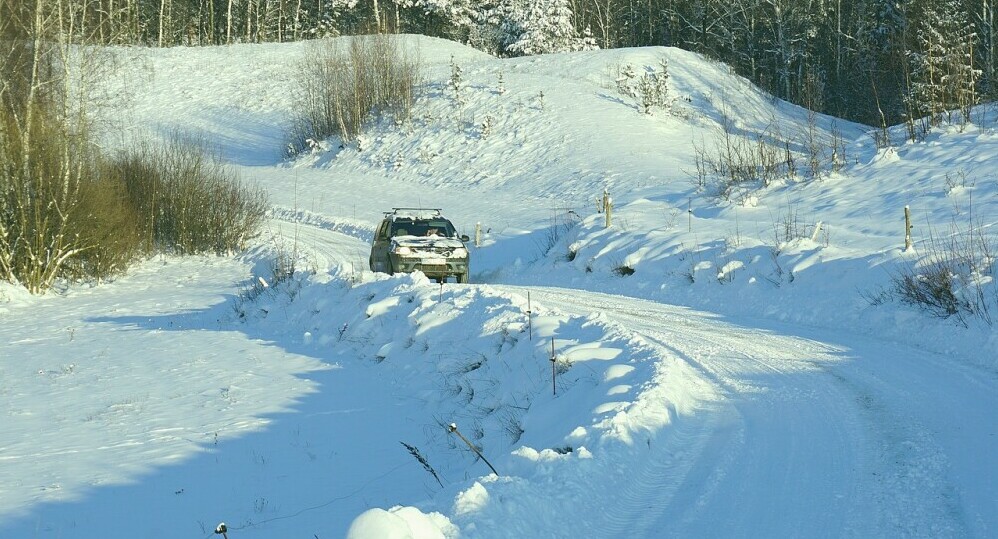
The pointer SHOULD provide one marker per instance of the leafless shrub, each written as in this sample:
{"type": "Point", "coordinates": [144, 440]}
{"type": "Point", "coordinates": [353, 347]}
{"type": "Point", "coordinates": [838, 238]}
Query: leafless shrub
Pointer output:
{"type": "Point", "coordinates": [561, 223]}
{"type": "Point", "coordinates": [932, 288]}
{"type": "Point", "coordinates": [737, 158]}
{"type": "Point", "coordinates": [512, 425]}
{"type": "Point", "coordinates": [341, 87]}
{"type": "Point", "coordinates": [109, 225]}
{"type": "Point", "coordinates": [790, 225]}
{"type": "Point", "coordinates": [43, 170]}
{"type": "Point", "coordinates": [187, 200]}
{"type": "Point", "coordinates": [623, 270]}
{"type": "Point", "coordinates": [876, 297]}
{"type": "Point", "coordinates": [278, 278]}
{"type": "Point", "coordinates": [953, 279]}
{"type": "Point", "coordinates": [957, 180]}
{"type": "Point", "coordinates": [734, 160]}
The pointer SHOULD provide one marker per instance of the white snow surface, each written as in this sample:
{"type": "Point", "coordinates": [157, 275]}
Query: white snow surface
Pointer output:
{"type": "Point", "coordinates": [738, 383]}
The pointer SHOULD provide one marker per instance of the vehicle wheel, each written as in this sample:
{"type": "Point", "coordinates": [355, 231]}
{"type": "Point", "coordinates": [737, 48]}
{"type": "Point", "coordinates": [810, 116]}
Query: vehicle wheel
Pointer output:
{"type": "Point", "coordinates": [462, 278]}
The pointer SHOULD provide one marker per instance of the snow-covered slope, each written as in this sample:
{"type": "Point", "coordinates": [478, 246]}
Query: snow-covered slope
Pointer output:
{"type": "Point", "coordinates": [723, 366]}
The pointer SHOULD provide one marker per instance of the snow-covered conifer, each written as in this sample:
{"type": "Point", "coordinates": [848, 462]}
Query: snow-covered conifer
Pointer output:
{"type": "Point", "coordinates": [540, 26]}
{"type": "Point", "coordinates": [944, 78]}
{"type": "Point", "coordinates": [456, 81]}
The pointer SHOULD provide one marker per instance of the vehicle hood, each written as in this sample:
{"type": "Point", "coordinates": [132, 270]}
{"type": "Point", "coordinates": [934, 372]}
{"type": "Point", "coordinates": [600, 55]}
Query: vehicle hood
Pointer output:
{"type": "Point", "coordinates": [424, 242]}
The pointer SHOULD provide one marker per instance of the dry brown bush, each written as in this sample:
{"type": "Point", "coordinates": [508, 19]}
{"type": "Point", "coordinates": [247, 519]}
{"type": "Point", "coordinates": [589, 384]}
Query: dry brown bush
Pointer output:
{"type": "Point", "coordinates": [343, 84]}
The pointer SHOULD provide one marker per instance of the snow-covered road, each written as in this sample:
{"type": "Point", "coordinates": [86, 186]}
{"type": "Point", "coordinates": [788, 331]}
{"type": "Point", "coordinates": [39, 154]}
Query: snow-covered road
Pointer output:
{"type": "Point", "coordinates": [806, 437]}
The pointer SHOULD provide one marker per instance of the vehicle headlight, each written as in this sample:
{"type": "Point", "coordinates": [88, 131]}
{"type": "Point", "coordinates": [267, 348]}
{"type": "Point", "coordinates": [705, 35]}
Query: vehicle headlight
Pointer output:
{"type": "Point", "coordinates": [460, 252]}
{"type": "Point", "coordinates": [403, 250]}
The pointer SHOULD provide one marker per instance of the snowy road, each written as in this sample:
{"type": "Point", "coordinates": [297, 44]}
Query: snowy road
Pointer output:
{"type": "Point", "coordinates": [806, 437]}
{"type": "Point", "coordinates": [801, 431]}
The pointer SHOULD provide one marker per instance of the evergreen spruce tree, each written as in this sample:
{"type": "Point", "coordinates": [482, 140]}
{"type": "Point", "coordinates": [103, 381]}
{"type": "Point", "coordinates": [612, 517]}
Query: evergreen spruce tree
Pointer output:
{"type": "Point", "coordinates": [539, 27]}
{"type": "Point", "coordinates": [944, 78]}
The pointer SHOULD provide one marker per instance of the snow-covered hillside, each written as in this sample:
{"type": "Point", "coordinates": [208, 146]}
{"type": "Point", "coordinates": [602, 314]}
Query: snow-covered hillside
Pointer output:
{"type": "Point", "coordinates": [724, 365]}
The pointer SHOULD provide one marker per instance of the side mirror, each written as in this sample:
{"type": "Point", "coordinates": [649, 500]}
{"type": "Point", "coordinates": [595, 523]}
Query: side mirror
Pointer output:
{"type": "Point", "coordinates": [465, 238]}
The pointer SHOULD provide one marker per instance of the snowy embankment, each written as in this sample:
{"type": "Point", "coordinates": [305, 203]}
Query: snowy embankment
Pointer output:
{"type": "Point", "coordinates": [806, 403]}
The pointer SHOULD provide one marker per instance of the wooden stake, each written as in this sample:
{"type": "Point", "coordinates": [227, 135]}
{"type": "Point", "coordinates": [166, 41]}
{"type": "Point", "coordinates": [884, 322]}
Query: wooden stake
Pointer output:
{"type": "Point", "coordinates": [817, 231]}
{"type": "Point", "coordinates": [608, 208]}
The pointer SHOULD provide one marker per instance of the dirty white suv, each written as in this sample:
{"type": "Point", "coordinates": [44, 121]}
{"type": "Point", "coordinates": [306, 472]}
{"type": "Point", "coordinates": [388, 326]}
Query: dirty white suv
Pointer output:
{"type": "Point", "coordinates": [410, 239]}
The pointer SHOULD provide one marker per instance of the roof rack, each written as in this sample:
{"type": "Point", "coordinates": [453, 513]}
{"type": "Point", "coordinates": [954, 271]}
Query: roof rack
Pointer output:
{"type": "Point", "coordinates": [412, 213]}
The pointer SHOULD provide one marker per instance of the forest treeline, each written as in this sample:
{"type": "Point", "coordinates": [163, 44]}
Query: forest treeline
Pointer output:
{"type": "Point", "coordinates": [873, 61]}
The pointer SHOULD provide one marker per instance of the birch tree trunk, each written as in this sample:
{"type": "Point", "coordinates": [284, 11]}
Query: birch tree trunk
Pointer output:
{"type": "Point", "coordinates": [29, 103]}
{"type": "Point", "coordinates": [162, 20]}
{"type": "Point", "coordinates": [986, 31]}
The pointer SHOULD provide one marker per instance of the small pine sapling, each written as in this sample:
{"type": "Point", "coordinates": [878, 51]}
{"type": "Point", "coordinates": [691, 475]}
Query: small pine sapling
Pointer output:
{"type": "Point", "coordinates": [653, 88]}
{"type": "Point", "coordinates": [456, 82]}
{"type": "Point", "coordinates": [625, 80]}
{"type": "Point", "coordinates": [487, 125]}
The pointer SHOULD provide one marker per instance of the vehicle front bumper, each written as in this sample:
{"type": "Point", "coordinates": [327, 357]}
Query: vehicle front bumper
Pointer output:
{"type": "Point", "coordinates": [434, 268]}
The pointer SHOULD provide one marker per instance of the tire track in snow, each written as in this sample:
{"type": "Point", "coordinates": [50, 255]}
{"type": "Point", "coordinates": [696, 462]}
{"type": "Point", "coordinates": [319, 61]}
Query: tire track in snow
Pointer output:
{"type": "Point", "coordinates": [787, 448]}
{"type": "Point", "coordinates": [327, 242]}
{"type": "Point", "coordinates": [358, 229]}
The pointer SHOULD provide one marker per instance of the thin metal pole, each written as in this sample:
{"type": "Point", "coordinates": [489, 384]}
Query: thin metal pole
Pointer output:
{"type": "Point", "coordinates": [530, 319]}
{"type": "Point", "coordinates": [554, 371]}
{"type": "Point", "coordinates": [453, 428]}
{"type": "Point", "coordinates": [907, 229]}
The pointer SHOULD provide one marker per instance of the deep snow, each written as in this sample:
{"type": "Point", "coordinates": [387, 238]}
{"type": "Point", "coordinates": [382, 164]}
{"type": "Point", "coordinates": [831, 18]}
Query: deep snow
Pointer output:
{"type": "Point", "coordinates": [737, 383]}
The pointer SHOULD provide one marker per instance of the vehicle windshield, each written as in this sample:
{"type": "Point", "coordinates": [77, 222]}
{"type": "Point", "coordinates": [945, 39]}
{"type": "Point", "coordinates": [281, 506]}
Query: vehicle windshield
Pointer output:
{"type": "Point", "coordinates": [423, 227]}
